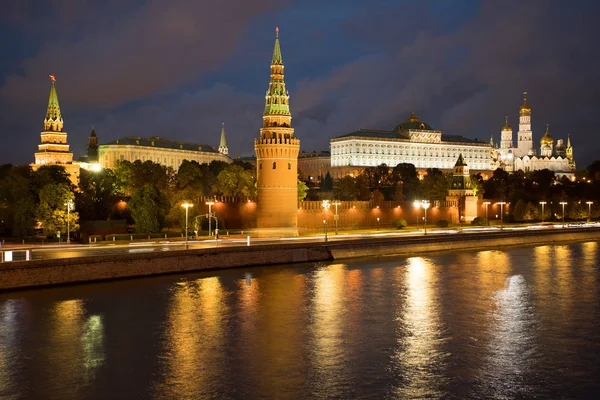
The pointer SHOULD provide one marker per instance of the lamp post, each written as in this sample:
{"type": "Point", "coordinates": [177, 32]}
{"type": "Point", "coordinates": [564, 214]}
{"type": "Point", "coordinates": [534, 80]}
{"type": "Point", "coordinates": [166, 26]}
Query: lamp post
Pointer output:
{"type": "Point", "coordinates": [486, 204]}
{"type": "Point", "coordinates": [378, 224]}
{"type": "Point", "coordinates": [502, 203]}
{"type": "Point", "coordinates": [543, 203]}
{"type": "Point", "coordinates": [209, 204]}
{"type": "Point", "coordinates": [325, 206]}
{"type": "Point", "coordinates": [416, 205]}
{"type": "Point", "coordinates": [69, 205]}
{"type": "Point", "coordinates": [336, 217]}
{"type": "Point", "coordinates": [425, 205]}
{"type": "Point", "coordinates": [563, 204]}
{"type": "Point", "coordinates": [186, 205]}
{"type": "Point", "coordinates": [589, 203]}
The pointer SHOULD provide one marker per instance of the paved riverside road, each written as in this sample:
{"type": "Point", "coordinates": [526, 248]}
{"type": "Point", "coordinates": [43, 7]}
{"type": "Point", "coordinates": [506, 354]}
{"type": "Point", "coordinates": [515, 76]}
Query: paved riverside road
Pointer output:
{"type": "Point", "coordinates": [42, 252]}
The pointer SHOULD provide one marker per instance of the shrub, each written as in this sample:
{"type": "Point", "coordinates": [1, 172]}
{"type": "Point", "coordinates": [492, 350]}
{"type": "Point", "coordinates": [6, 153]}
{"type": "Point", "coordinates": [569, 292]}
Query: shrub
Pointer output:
{"type": "Point", "coordinates": [399, 223]}
{"type": "Point", "coordinates": [442, 223]}
{"type": "Point", "coordinates": [480, 221]}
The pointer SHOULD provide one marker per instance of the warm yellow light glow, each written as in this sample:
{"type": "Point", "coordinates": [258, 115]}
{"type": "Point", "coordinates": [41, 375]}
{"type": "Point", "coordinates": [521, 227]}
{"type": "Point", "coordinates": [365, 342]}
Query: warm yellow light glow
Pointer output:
{"type": "Point", "coordinates": [187, 205]}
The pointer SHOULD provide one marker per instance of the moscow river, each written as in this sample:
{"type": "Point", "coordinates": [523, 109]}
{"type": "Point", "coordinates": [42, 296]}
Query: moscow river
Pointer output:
{"type": "Point", "coordinates": [514, 323]}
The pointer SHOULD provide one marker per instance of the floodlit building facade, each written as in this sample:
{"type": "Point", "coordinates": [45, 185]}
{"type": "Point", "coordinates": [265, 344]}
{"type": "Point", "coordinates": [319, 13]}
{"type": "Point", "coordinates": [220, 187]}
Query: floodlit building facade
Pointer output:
{"type": "Point", "coordinates": [524, 156]}
{"type": "Point", "coordinates": [412, 142]}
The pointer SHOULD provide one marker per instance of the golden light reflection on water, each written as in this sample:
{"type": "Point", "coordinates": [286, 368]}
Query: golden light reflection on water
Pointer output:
{"type": "Point", "coordinates": [75, 349]}
{"type": "Point", "coordinates": [328, 312]}
{"type": "Point", "coordinates": [419, 332]}
{"type": "Point", "coordinates": [8, 347]}
{"type": "Point", "coordinates": [193, 337]}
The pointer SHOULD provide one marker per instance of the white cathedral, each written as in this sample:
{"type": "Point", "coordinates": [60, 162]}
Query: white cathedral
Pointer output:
{"type": "Point", "coordinates": [524, 157]}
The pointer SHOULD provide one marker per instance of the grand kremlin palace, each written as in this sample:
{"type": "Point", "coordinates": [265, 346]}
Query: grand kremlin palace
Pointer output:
{"type": "Point", "coordinates": [413, 142]}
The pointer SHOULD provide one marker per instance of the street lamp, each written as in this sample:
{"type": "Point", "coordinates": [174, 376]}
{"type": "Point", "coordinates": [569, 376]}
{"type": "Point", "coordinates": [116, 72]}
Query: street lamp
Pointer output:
{"type": "Point", "coordinates": [186, 205]}
{"type": "Point", "coordinates": [563, 204]}
{"type": "Point", "coordinates": [543, 203]}
{"type": "Point", "coordinates": [589, 203]}
{"type": "Point", "coordinates": [425, 205]}
{"type": "Point", "coordinates": [209, 204]}
{"type": "Point", "coordinates": [336, 217]}
{"type": "Point", "coordinates": [69, 205]}
{"type": "Point", "coordinates": [325, 206]}
{"type": "Point", "coordinates": [378, 223]}
{"type": "Point", "coordinates": [486, 204]}
{"type": "Point", "coordinates": [416, 205]}
{"type": "Point", "coordinates": [502, 203]}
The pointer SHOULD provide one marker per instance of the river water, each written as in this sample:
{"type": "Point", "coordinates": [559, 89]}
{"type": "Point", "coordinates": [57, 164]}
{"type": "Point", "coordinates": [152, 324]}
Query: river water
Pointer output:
{"type": "Point", "coordinates": [515, 323]}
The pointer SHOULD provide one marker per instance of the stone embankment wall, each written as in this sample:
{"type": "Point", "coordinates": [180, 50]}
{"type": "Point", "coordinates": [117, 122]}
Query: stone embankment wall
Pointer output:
{"type": "Point", "coordinates": [21, 274]}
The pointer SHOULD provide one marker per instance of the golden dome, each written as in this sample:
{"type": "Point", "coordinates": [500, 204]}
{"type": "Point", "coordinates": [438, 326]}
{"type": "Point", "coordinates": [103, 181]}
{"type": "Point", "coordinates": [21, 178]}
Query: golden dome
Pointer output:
{"type": "Point", "coordinates": [506, 127]}
{"type": "Point", "coordinates": [412, 117]}
{"type": "Point", "coordinates": [546, 139]}
{"type": "Point", "coordinates": [524, 109]}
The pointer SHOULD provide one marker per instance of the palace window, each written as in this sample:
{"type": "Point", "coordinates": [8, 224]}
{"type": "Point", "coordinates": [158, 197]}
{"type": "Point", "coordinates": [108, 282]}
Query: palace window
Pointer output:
{"type": "Point", "coordinates": [260, 165]}
{"type": "Point", "coordinates": [274, 164]}
{"type": "Point", "coordinates": [289, 165]}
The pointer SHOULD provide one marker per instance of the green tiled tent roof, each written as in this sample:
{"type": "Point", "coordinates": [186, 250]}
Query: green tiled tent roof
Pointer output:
{"type": "Point", "coordinates": [161, 144]}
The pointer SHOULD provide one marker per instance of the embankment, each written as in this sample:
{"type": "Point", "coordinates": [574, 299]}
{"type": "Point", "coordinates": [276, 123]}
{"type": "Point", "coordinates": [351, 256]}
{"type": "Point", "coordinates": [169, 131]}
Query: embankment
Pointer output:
{"type": "Point", "coordinates": [22, 274]}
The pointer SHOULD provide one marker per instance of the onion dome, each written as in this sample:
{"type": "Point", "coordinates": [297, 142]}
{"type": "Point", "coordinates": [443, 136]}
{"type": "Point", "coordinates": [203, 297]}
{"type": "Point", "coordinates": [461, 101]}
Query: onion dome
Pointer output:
{"type": "Point", "coordinates": [546, 139]}
{"type": "Point", "coordinates": [506, 127]}
{"type": "Point", "coordinates": [524, 109]}
{"type": "Point", "coordinates": [413, 123]}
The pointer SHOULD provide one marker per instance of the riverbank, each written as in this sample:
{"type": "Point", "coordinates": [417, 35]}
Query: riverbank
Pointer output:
{"type": "Point", "coordinates": [37, 273]}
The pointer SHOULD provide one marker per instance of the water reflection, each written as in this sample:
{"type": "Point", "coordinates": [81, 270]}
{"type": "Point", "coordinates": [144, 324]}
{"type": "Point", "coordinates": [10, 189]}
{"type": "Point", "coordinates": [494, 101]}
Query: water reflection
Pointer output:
{"type": "Point", "coordinates": [419, 353]}
{"type": "Point", "coordinates": [8, 348]}
{"type": "Point", "coordinates": [193, 340]}
{"type": "Point", "coordinates": [328, 318]}
{"type": "Point", "coordinates": [512, 347]}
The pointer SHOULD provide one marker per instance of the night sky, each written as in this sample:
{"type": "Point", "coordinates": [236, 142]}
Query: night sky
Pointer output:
{"type": "Point", "coordinates": [178, 68]}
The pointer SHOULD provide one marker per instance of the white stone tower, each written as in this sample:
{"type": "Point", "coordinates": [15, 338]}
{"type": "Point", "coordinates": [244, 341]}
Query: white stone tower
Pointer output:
{"type": "Point", "coordinates": [525, 136]}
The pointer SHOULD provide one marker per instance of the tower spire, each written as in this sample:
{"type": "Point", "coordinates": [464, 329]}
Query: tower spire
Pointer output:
{"type": "Point", "coordinates": [53, 121]}
{"type": "Point", "coordinates": [277, 50]}
{"type": "Point", "coordinates": [277, 97]}
{"type": "Point", "coordinates": [223, 144]}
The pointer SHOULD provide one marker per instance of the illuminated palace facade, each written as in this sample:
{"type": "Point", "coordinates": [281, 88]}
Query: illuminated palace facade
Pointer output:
{"type": "Point", "coordinates": [412, 142]}
{"type": "Point", "coordinates": [525, 157]}
{"type": "Point", "coordinates": [53, 148]}
{"type": "Point", "coordinates": [277, 158]}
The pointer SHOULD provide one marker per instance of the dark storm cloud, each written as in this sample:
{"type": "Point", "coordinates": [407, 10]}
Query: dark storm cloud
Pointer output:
{"type": "Point", "coordinates": [177, 69]}
{"type": "Point", "coordinates": [466, 80]}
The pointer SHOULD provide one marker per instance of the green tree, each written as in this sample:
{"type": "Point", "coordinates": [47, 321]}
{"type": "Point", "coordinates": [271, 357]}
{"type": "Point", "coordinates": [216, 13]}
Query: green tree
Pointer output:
{"type": "Point", "coordinates": [327, 183]}
{"type": "Point", "coordinates": [236, 181]}
{"type": "Point", "coordinates": [436, 184]}
{"type": "Point", "coordinates": [52, 209]}
{"type": "Point", "coordinates": [148, 209]}
{"type": "Point", "coordinates": [302, 190]}
{"type": "Point", "coordinates": [345, 188]}
{"type": "Point", "coordinates": [98, 193]}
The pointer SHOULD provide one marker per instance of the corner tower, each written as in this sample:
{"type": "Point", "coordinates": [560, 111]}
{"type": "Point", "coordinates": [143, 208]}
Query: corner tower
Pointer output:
{"type": "Point", "coordinates": [53, 149]}
{"type": "Point", "coordinates": [277, 159]}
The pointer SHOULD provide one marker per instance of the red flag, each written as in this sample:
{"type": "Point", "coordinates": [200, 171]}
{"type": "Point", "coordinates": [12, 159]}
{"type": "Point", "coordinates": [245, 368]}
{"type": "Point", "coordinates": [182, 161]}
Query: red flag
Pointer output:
{"type": "Point", "coordinates": [52, 78]}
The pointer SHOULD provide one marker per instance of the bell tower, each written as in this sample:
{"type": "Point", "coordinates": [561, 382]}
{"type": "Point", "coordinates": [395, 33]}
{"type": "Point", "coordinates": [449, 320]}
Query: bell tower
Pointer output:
{"type": "Point", "coordinates": [277, 159]}
{"type": "Point", "coordinates": [525, 136]}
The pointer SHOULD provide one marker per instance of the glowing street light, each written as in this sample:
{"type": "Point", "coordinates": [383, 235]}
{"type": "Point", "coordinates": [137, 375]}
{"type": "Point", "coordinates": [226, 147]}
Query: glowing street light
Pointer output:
{"type": "Point", "coordinates": [486, 204]}
{"type": "Point", "coordinates": [209, 204]}
{"type": "Point", "coordinates": [377, 223]}
{"type": "Point", "coordinates": [589, 203]}
{"type": "Point", "coordinates": [325, 206]}
{"type": "Point", "coordinates": [563, 204]}
{"type": "Point", "coordinates": [186, 205]}
{"type": "Point", "coordinates": [69, 205]}
{"type": "Point", "coordinates": [417, 205]}
{"type": "Point", "coordinates": [336, 217]}
{"type": "Point", "coordinates": [543, 203]}
{"type": "Point", "coordinates": [502, 203]}
{"type": "Point", "coordinates": [425, 205]}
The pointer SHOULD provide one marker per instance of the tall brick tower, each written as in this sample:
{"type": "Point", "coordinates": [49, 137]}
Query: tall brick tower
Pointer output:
{"type": "Point", "coordinates": [277, 159]}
